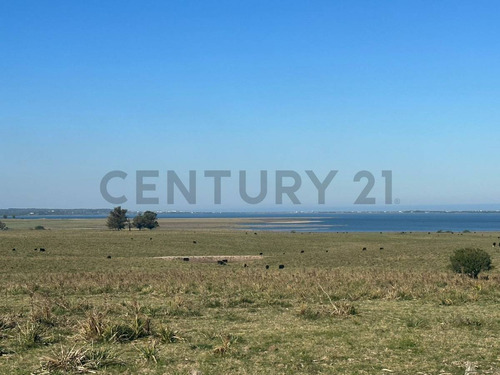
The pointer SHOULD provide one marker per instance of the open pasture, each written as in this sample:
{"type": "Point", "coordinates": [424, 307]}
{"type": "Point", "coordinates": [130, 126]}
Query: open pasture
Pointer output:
{"type": "Point", "coordinates": [100, 300]}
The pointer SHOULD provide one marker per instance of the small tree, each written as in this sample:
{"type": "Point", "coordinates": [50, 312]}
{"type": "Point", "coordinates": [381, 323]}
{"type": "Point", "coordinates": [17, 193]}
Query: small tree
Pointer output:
{"type": "Point", "coordinates": [470, 261]}
{"type": "Point", "coordinates": [147, 220]}
{"type": "Point", "coordinates": [117, 218]}
{"type": "Point", "coordinates": [150, 221]}
{"type": "Point", "coordinates": [4, 216]}
{"type": "Point", "coordinates": [138, 222]}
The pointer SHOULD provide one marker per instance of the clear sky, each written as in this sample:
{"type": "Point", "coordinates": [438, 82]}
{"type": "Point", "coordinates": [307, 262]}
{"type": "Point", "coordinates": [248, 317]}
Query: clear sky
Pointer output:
{"type": "Point", "coordinates": [87, 87]}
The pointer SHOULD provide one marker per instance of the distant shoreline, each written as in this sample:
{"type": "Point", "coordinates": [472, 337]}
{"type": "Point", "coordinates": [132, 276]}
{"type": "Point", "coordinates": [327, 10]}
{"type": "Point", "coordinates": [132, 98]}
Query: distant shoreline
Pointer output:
{"type": "Point", "coordinates": [442, 222]}
{"type": "Point", "coordinates": [103, 213]}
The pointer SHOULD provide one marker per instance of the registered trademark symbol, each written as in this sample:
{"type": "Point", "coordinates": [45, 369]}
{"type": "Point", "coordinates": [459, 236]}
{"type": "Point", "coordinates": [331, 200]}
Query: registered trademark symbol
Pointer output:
{"type": "Point", "coordinates": [397, 201]}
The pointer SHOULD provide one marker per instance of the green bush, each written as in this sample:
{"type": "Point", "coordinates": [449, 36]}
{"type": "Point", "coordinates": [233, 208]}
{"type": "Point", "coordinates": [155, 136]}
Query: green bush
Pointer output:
{"type": "Point", "coordinates": [470, 261]}
{"type": "Point", "coordinates": [39, 227]}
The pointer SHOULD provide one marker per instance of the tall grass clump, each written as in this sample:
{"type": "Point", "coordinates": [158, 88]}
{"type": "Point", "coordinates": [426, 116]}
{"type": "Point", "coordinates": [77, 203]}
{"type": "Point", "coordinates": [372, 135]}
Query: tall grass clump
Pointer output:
{"type": "Point", "coordinates": [79, 360]}
{"type": "Point", "coordinates": [149, 351]}
{"type": "Point", "coordinates": [30, 335]}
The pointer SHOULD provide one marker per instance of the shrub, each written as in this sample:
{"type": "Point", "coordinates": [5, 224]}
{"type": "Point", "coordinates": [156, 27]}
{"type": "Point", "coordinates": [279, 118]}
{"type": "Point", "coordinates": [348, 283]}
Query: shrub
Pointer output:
{"type": "Point", "coordinates": [470, 261]}
{"type": "Point", "coordinates": [3, 226]}
{"type": "Point", "coordinates": [39, 227]}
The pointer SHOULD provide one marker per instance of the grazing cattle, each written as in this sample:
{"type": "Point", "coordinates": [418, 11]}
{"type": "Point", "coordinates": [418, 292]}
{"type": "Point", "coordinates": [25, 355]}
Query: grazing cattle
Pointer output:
{"type": "Point", "coordinates": [326, 251]}
{"type": "Point", "coordinates": [36, 249]}
{"type": "Point", "coordinates": [150, 238]}
{"type": "Point", "coordinates": [283, 253]}
{"type": "Point", "coordinates": [42, 249]}
{"type": "Point", "coordinates": [14, 249]}
{"type": "Point", "coordinates": [302, 251]}
{"type": "Point", "coordinates": [494, 244]}
{"type": "Point", "coordinates": [109, 256]}
{"type": "Point", "coordinates": [194, 242]}
{"type": "Point", "coordinates": [185, 259]}
{"type": "Point", "coordinates": [255, 233]}
{"type": "Point", "coordinates": [267, 266]}
{"type": "Point", "coordinates": [281, 266]}
{"type": "Point", "coordinates": [245, 265]}
{"type": "Point", "coordinates": [381, 248]}
{"type": "Point", "coordinates": [364, 248]}
{"type": "Point", "coordinates": [261, 253]}
{"type": "Point", "coordinates": [224, 260]}
{"type": "Point", "coordinates": [221, 262]}
{"type": "Point", "coordinates": [131, 238]}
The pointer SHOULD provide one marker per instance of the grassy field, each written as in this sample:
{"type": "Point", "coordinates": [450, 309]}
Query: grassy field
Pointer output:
{"type": "Point", "coordinates": [102, 301]}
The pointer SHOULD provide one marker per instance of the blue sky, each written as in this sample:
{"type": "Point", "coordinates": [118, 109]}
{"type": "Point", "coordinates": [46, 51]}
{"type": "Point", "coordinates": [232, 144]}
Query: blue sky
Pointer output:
{"type": "Point", "coordinates": [87, 87]}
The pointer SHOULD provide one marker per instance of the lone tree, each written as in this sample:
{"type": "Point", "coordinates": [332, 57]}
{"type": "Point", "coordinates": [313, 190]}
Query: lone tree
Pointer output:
{"type": "Point", "coordinates": [117, 218]}
{"type": "Point", "coordinates": [470, 261]}
{"type": "Point", "coordinates": [146, 220]}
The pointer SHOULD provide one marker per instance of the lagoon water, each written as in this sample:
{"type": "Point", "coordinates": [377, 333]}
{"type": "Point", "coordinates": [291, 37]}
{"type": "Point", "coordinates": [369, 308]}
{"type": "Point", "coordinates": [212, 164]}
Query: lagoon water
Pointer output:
{"type": "Point", "coordinates": [349, 221]}
{"type": "Point", "coordinates": [390, 222]}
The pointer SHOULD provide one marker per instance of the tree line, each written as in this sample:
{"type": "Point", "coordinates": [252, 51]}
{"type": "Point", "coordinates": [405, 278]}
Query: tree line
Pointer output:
{"type": "Point", "coordinates": [118, 220]}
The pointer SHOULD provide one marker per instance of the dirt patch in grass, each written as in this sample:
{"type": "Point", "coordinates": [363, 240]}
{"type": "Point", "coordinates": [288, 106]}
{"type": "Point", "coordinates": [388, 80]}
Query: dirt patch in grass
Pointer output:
{"type": "Point", "coordinates": [213, 258]}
